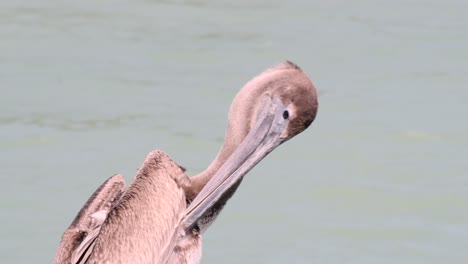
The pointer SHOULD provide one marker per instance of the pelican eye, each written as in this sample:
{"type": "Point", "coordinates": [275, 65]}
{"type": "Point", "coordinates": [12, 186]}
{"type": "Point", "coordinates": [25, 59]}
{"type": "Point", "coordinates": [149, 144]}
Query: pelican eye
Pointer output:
{"type": "Point", "coordinates": [285, 114]}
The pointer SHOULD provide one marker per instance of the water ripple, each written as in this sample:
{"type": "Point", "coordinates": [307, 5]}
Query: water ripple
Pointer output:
{"type": "Point", "coordinates": [70, 124]}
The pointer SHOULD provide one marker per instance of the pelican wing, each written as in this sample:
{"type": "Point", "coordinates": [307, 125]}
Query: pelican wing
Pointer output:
{"type": "Point", "coordinates": [144, 226]}
{"type": "Point", "coordinates": [87, 223]}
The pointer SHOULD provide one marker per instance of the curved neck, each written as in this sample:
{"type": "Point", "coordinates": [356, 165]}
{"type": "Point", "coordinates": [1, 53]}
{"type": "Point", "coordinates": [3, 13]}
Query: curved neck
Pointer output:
{"type": "Point", "coordinates": [200, 180]}
{"type": "Point", "coordinates": [238, 122]}
{"type": "Point", "coordinates": [241, 117]}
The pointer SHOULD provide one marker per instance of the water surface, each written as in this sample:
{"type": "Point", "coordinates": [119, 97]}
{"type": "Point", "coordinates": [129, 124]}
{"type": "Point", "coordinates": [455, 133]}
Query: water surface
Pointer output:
{"type": "Point", "coordinates": [88, 88]}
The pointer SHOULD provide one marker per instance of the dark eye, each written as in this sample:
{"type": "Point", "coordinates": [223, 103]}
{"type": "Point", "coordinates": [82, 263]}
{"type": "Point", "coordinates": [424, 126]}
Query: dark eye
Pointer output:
{"type": "Point", "coordinates": [285, 114]}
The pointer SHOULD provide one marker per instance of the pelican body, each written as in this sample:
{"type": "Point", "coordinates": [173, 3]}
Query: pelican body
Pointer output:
{"type": "Point", "coordinates": [161, 216]}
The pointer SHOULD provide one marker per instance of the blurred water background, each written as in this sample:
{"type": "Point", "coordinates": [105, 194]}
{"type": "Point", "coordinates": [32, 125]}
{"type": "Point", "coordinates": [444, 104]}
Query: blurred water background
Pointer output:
{"type": "Point", "coordinates": [88, 88]}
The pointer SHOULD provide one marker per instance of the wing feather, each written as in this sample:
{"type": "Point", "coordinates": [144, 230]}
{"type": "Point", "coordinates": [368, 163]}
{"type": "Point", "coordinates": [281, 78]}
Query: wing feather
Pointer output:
{"type": "Point", "coordinates": [87, 223]}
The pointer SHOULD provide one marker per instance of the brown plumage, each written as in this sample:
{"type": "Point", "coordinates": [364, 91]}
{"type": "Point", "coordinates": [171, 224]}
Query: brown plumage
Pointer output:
{"type": "Point", "coordinates": [85, 221]}
{"type": "Point", "coordinates": [157, 184]}
{"type": "Point", "coordinates": [287, 82]}
{"type": "Point", "coordinates": [150, 222]}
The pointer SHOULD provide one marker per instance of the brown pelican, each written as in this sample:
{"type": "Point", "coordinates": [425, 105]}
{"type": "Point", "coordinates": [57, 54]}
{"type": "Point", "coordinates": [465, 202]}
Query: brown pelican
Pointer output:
{"type": "Point", "coordinates": [160, 217]}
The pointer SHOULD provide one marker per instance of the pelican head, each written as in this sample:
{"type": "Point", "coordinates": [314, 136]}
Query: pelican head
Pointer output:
{"type": "Point", "coordinates": [283, 95]}
{"type": "Point", "coordinates": [270, 109]}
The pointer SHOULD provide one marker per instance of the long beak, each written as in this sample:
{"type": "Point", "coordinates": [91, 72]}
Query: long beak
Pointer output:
{"type": "Point", "coordinates": [261, 140]}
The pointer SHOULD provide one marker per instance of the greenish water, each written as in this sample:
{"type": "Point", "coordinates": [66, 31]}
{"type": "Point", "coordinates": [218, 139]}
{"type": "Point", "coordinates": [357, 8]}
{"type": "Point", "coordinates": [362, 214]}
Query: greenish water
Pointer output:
{"type": "Point", "coordinates": [88, 88]}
